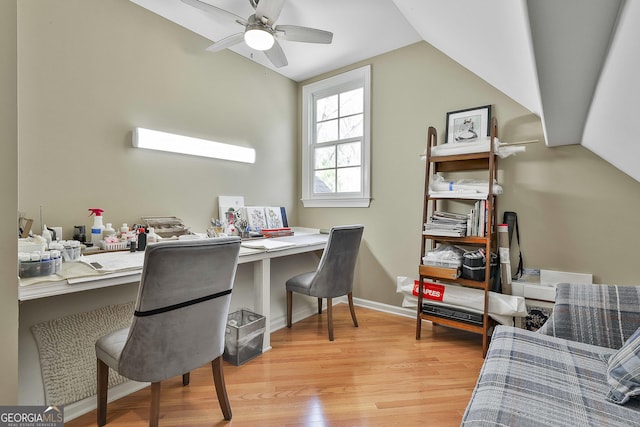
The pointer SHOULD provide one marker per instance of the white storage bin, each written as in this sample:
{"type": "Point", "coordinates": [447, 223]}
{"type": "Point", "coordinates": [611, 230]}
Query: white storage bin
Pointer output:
{"type": "Point", "coordinates": [447, 256]}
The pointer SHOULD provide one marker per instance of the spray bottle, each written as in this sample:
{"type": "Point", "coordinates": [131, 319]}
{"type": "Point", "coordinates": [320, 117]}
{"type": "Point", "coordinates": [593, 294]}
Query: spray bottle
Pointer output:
{"type": "Point", "coordinates": [97, 227]}
{"type": "Point", "coordinates": [46, 234]}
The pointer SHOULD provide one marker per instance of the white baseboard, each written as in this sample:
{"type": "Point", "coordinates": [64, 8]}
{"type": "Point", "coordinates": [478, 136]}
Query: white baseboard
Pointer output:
{"type": "Point", "coordinates": [385, 308]}
{"type": "Point", "coordinates": [280, 322]}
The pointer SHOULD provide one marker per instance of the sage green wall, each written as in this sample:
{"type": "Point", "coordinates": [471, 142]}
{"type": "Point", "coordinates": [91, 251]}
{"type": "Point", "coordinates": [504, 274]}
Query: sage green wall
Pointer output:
{"type": "Point", "coordinates": [576, 212]}
{"type": "Point", "coordinates": [9, 205]}
{"type": "Point", "coordinates": [92, 70]}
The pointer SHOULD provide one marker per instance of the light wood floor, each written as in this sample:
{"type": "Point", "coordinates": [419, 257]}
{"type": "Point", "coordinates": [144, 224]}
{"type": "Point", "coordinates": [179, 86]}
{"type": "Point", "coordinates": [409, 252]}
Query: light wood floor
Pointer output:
{"type": "Point", "coordinates": [374, 375]}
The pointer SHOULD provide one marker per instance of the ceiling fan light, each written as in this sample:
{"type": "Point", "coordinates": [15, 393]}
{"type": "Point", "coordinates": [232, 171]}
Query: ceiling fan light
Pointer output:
{"type": "Point", "coordinates": [259, 39]}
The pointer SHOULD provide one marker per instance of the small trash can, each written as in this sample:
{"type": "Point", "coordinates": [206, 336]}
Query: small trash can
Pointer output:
{"type": "Point", "coordinates": [244, 336]}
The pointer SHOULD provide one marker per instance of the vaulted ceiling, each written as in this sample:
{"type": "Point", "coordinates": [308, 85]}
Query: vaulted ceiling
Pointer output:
{"type": "Point", "coordinates": [572, 62]}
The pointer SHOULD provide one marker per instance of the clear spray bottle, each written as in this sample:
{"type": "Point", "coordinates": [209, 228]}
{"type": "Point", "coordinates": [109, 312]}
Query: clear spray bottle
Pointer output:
{"type": "Point", "coordinates": [97, 227]}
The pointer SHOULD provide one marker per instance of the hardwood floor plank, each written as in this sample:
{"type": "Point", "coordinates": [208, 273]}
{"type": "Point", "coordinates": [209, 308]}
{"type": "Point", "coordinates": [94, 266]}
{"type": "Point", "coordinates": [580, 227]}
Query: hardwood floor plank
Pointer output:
{"type": "Point", "coordinates": [373, 375]}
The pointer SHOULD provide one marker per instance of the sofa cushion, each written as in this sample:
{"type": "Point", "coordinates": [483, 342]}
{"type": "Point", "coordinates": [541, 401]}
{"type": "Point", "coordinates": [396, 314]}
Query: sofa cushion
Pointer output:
{"type": "Point", "coordinates": [531, 379]}
{"type": "Point", "coordinates": [602, 315]}
{"type": "Point", "coordinates": [623, 371]}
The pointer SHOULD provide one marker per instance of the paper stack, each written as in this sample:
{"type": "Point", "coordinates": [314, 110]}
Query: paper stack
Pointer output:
{"type": "Point", "coordinates": [446, 224]}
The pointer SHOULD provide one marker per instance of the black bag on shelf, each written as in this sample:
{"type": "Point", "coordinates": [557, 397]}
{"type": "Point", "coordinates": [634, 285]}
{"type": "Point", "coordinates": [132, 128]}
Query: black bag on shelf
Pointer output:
{"type": "Point", "coordinates": [511, 219]}
{"type": "Point", "coordinates": [474, 265]}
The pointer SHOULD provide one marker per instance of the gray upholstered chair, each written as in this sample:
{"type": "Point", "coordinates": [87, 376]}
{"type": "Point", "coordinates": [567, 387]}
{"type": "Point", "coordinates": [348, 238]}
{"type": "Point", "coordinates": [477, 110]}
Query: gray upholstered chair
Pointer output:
{"type": "Point", "coordinates": [179, 320]}
{"type": "Point", "coordinates": [334, 276]}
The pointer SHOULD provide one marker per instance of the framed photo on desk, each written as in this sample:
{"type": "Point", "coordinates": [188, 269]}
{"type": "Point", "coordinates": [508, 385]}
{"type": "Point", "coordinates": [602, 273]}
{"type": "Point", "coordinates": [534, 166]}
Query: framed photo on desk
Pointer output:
{"type": "Point", "coordinates": [273, 215]}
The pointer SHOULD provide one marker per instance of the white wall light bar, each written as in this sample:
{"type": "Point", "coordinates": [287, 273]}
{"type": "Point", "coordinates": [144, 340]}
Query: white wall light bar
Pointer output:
{"type": "Point", "coordinates": [156, 140]}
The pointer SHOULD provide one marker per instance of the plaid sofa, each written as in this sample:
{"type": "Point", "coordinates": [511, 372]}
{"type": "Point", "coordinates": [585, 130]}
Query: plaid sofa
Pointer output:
{"type": "Point", "coordinates": [557, 376]}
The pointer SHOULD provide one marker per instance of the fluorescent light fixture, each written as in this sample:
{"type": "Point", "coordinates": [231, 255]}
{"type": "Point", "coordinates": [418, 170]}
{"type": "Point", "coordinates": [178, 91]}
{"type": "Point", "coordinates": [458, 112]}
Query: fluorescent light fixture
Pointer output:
{"type": "Point", "coordinates": [156, 140]}
{"type": "Point", "coordinates": [258, 38]}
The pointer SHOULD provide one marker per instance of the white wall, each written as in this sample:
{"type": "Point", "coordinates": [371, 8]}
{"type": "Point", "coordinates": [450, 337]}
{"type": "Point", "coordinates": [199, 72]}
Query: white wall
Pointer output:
{"type": "Point", "coordinates": [9, 205]}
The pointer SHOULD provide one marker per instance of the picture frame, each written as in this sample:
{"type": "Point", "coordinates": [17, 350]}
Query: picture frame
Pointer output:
{"type": "Point", "coordinates": [255, 215]}
{"type": "Point", "coordinates": [468, 125]}
{"type": "Point", "coordinates": [273, 216]}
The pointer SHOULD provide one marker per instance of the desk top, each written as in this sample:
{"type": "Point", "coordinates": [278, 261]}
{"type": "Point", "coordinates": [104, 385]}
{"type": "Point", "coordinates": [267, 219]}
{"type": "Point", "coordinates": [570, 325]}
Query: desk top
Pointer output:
{"type": "Point", "coordinates": [116, 268]}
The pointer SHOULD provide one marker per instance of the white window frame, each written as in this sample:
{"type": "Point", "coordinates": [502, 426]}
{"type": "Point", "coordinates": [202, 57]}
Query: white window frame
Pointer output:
{"type": "Point", "coordinates": [360, 77]}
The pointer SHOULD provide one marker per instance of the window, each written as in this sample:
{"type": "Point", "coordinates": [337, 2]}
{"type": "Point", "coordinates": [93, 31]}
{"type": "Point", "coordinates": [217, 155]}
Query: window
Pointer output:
{"type": "Point", "coordinates": [335, 140]}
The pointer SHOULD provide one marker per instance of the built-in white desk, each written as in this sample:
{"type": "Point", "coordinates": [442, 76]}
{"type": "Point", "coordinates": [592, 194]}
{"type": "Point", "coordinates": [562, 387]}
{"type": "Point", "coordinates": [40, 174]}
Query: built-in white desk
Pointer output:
{"type": "Point", "coordinates": [77, 288]}
{"type": "Point", "coordinates": [66, 283]}
{"type": "Point", "coordinates": [53, 296]}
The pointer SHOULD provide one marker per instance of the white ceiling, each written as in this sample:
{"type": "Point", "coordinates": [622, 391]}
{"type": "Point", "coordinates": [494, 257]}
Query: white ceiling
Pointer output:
{"type": "Point", "coordinates": [572, 62]}
{"type": "Point", "coordinates": [356, 26]}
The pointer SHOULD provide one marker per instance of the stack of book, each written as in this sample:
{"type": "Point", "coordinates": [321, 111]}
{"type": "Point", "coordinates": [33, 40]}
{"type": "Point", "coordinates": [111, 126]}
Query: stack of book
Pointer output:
{"type": "Point", "coordinates": [277, 232]}
{"type": "Point", "coordinates": [477, 223]}
{"type": "Point", "coordinates": [446, 224]}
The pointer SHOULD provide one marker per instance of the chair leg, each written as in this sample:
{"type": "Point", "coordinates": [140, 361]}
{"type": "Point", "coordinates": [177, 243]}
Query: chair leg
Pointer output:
{"type": "Point", "coordinates": [154, 409]}
{"type": "Point", "coordinates": [319, 305]}
{"type": "Point", "coordinates": [330, 318]}
{"type": "Point", "coordinates": [221, 389]}
{"type": "Point", "coordinates": [103, 387]}
{"type": "Point", "coordinates": [289, 307]}
{"type": "Point", "coordinates": [186, 378]}
{"type": "Point", "coordinates": [352, 309]}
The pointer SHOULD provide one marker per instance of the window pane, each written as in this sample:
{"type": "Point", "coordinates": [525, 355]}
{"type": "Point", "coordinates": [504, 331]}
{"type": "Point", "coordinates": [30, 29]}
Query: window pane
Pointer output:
{"type": "Point", "coordinates": [349, 180]}
{"type": "Point", "coordinates": [349, 154]}
{"type": "Point", "coordinates": [327, 131]}
{"type": "Point", "coordinates": [324, 181]}
{"type": "Point", "coordinates": [325, 157]}
{"type": "Point", "coordinates": [352, 102]}
{"type": "Point", "coordinates": [351, 127]}
{"type": "Point", "coordinates": [327, 108]}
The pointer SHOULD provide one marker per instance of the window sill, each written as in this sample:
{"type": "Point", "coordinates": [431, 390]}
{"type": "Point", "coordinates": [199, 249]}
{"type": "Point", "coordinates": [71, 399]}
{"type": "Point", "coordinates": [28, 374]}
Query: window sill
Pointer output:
{"type": "Point", "coordinates": [337, 203]}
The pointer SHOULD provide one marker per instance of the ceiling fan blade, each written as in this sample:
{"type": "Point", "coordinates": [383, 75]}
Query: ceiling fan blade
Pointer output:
{"type": "Point", "coordinates": [276, 55]}
{"type": "Point", "coordinates": [295, 33]}
{"type": "Point", "coordinates": [268, 10]}
{"type": "Point", "coordinates": [206, 7]}
{"type": "Point", "coordinates": [226, 42]}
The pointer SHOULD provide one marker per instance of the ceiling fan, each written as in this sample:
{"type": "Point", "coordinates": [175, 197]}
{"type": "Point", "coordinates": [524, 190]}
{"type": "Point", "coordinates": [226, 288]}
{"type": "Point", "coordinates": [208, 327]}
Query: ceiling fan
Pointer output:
{"type": "Point", "coordinates": [259, 30]}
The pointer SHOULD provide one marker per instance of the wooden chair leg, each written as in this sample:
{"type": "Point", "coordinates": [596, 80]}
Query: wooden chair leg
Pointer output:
{"type": "Point", "coordinates": [330, 318]}
{"type": "Point", "coordinates": [103, 387]}
{"type": "Point", "coordinates": [221, 389]}
{"type": "Point", "coordinates": [154, 409]}
{"type": "Point", "coordinates": [319, 305]}
{"type": "Point", "coordinates": [352, 309]}
{"type": "Point", "coordinates": [186, 378]}
{"type": "Point", "coordinates": [289, 307]}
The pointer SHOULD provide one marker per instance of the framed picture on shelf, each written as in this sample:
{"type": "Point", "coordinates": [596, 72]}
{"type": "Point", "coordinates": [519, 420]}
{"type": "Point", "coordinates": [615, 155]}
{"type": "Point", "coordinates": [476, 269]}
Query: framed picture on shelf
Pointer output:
{"type": "Point", "coordinates": [468, 125]}
{"type": "Point", "coordinates": [273, 216]}
{"type": "Point", "coordinates": [256, 217]}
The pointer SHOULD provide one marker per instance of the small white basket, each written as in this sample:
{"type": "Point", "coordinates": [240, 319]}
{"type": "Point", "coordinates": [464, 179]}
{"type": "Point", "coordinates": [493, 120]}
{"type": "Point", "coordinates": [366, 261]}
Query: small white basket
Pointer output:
{"type": "Point", "coordinates": [118, 246]}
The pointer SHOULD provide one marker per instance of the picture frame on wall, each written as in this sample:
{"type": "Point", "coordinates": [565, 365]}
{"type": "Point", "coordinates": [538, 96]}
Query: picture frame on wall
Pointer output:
{"type": "Point", "coordinates": [469, 125]}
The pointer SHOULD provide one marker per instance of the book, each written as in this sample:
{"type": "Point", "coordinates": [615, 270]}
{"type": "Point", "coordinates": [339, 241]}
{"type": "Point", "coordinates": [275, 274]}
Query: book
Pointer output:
{"type": "Point", "coordinates": [255, 217]}
{"type": "Point", "coordinates": [273, 216]}
{"type": "Point", "coordinates": [447, 224]}
{"type": "Point", "coordinates": [449, 216]}
{"type": "Point", "coordinates": [444, 233]}
{"type": "Point", "coordinates": [267, 244]}
{"type": "Point", "coordinates": [277, 232]}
